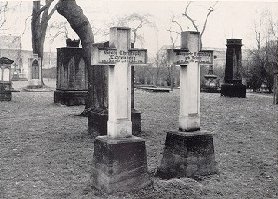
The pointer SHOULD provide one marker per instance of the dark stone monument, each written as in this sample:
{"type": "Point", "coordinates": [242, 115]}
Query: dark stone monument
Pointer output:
{"type": "Point", "coordinates": [72, 80]}
{"type": "Point", "coordinates": [98, 100]}
{"type": "Point", "coordinates": [232, 86]}
{"type": "Point", "coordinates": [5, 79]}
{"type": "Point", "coordinates": [188, 152]}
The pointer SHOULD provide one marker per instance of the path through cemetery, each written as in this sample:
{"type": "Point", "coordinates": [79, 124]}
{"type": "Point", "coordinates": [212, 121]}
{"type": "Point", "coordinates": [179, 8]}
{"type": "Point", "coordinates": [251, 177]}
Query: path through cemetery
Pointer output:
{"type": "Point", "coordinates": [46, 152]}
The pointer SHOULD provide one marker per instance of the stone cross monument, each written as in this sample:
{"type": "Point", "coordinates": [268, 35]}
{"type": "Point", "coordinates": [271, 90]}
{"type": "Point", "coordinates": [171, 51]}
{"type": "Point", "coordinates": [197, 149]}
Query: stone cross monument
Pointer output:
{"type": "Point", "coordinates": [233, 86]}
{"type": "Point", "coordinates": [119, 159]}
{"type": "Point", "coordinates": [98, 93]}
{"type": "Point", "coordinates": [189, 151]}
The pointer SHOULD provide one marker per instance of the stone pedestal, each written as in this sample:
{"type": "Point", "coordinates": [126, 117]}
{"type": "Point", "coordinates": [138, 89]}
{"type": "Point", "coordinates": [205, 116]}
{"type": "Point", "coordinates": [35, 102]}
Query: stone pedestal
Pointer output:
{"type": "Point", "coordinates": [5, 92]}
{"type": "Point", "coordinates": [187, 154]}
{"type": "Point", "coordinates": [233, 90]}
{"type": "Point", "coordinates": [70, 98]}
{"type": "Point", "coordinates": [71, 83]}
{"type": "Point", "coordinates": [275, 87]}
{"type": "Point", "coordinates": [233, 86]}
{"type": "Point", "coordinates": [119, 164]}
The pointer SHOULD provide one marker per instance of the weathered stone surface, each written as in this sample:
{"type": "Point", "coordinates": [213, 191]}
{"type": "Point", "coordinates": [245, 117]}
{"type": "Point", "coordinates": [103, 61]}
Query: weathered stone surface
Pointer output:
{"type": "Point", "coordinates": [187, 155]}
{"type": "Point", "coordinates": [70, 98]}
{"type": "Point", "coordinates": [5, 91]}
{"type": "Point", "coordinates": [119, 164]}
{"type": "Point", "coordinates": [233, 86]}
{"type": "Point", "coordinates": [233, 90]}
{"type": "Point", "coordinates": [97, 122]}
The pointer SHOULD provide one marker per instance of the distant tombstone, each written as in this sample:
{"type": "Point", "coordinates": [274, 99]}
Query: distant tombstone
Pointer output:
{"type": "Point", "coordinates": [72, 77]}
{"type": "Point", "coordinates": [233, 86]}
{"type": "Point", "coordinates": [119, 159]}
{"type": "Point", "coordinates": [188, 152]}
{"type": "Point", "coordinates": [98, 98]}
{"type": "Point", "coordinates": [5, 79]}
{"type": "Point", "coordinates": [34, 76]}
{"type": "Point", "coordinates": [275, 87]}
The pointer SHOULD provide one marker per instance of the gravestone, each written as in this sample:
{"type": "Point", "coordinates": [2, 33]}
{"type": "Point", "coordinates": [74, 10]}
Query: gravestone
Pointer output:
{"type": "Point", "coordinates": [119, 159]}
{"type": "Point", "coordinates": [5, 79]}
{"type": "Point", "coordinates": [72, 77]}
{"type": "Point", "coordinates": [188, 152]}
{"type": "Point", "coordinates": [34, 72]}
{"type": "Point", "coordinates": [275, 87]}
{"type": "Point", "coordinates": [232, 86]}
{"type": "Point", "coordinates": [211, 83]}
{"type": "Point", "coordinates": [98, 96]}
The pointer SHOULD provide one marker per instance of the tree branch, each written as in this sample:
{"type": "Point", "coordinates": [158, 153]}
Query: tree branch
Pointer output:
{"type": "Point", "coordinates": [188, 17]}
{"type": "Point", "coordinates": [211, 9]}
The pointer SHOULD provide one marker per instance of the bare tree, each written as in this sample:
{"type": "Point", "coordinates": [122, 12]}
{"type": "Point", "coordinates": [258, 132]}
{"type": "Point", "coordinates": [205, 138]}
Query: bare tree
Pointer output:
{"type": "Point", "coordinates": [193, 22]}
{"type": "Point", "coordinates": [3, 10]}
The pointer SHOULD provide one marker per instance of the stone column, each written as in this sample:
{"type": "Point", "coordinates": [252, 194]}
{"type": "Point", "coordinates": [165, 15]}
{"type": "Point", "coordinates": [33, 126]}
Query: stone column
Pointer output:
{"type": "Point", "coordinates": [233, 86]}
{"type": "Point", "coordinates": [34, 72]}
{"type": "Point", "coordinates": [189, 118]}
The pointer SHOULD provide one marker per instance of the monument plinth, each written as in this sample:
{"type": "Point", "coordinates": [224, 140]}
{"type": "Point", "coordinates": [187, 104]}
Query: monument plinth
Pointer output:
{"type": "Point", "coordinates": [5, 79]}
{"type": "Point", "coordinates": [119, 159]}
{"type": "Point", "coordinates": [275, 87]}
{"type": "Point", "coordinates": [71, 83]}
{"type": "Point", "coordinates": [232, 86]}
{"type": "Point", "coordinates": [188, 152]}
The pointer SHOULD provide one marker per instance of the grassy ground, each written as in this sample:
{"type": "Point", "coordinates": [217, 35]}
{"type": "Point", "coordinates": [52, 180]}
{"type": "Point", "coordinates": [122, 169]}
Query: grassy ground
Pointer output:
{"type": "Point", "coordinates": [45, 151]}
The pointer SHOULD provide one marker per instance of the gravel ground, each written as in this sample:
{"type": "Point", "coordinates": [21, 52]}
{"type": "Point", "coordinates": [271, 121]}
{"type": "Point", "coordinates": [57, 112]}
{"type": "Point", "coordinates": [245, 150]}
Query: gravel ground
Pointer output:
{"type": "Point", "coordinates": [45, 151]}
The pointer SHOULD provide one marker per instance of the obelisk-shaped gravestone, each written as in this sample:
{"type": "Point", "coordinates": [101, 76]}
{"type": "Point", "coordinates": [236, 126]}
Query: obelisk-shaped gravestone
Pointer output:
{"type": "Point", "coordinates": [233, 86]}
{"type": "Point", "coordinates": [188, 152]}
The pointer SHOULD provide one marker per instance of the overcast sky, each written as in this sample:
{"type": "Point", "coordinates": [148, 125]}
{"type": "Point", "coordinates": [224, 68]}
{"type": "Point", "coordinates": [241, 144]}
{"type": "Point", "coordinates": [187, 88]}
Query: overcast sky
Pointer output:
{"type": "Point", "coordinates": [234, 19]}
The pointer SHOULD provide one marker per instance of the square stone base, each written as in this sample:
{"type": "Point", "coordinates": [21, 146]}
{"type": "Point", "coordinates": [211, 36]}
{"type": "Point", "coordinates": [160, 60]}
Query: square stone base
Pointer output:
{"type": "Point", "coordinates": [233, 90]}
{"type": "Point", "coordinates": [6, 96]}
{"type": "Point", "coordinates": [97, 122]}
{"type": "Point", "coordinates": [70, 98]}
{"type": "Point", "coordinates": [119, 164]}
{"type": "Point", "coordinates": [187, 154]}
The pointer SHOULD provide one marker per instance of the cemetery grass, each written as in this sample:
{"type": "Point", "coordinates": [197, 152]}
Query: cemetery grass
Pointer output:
{"type": "Point", "coordinates": [46, 152]}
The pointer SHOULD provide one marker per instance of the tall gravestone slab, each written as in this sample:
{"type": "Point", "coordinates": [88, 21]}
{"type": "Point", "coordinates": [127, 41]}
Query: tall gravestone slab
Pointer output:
{"type": "Point", "coordinates": [34, 72]}
{"type": "Point", "coordinates": [232, 86]}
{"type": "Point", "coordinates": [72, 77]}
{"type": "Point", "coordinates": [5, 79]}
{"type": "Point", "coordinates": [98, 96]}
{"type": "Point", "coordinates": [188, 152]}
{"type": "Point", "coordinates": [119, 159]}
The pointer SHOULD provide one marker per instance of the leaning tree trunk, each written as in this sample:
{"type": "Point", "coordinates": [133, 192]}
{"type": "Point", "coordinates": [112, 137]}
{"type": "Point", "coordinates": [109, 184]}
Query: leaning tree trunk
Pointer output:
{"type": "Point", "coordinates": [81, 25]}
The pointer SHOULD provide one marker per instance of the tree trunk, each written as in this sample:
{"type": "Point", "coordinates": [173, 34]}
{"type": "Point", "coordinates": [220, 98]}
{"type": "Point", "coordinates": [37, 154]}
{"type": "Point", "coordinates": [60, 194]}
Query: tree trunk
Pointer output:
{"type": "Point", "coordinates": [80, 24]}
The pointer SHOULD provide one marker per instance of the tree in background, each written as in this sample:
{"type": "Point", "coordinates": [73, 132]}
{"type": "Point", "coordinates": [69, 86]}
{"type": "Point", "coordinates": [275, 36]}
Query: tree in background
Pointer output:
{"type": "Point", "coordinates": [263, 59]}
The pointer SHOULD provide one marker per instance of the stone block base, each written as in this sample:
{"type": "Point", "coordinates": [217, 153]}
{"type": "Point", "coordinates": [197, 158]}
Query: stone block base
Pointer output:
{"type": "Point", "coordinates": [6, 96]}
{"type": "Point", "coordinates": [97, 122]}
{"type": "Point", "coordinates": [187, 155]}
{"type": "Point", "coordinates": [119, 164]}
{"type": "Point", "coordinates": [70, 98]}
{"type": "Point", "coordinates": [233, 90]}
